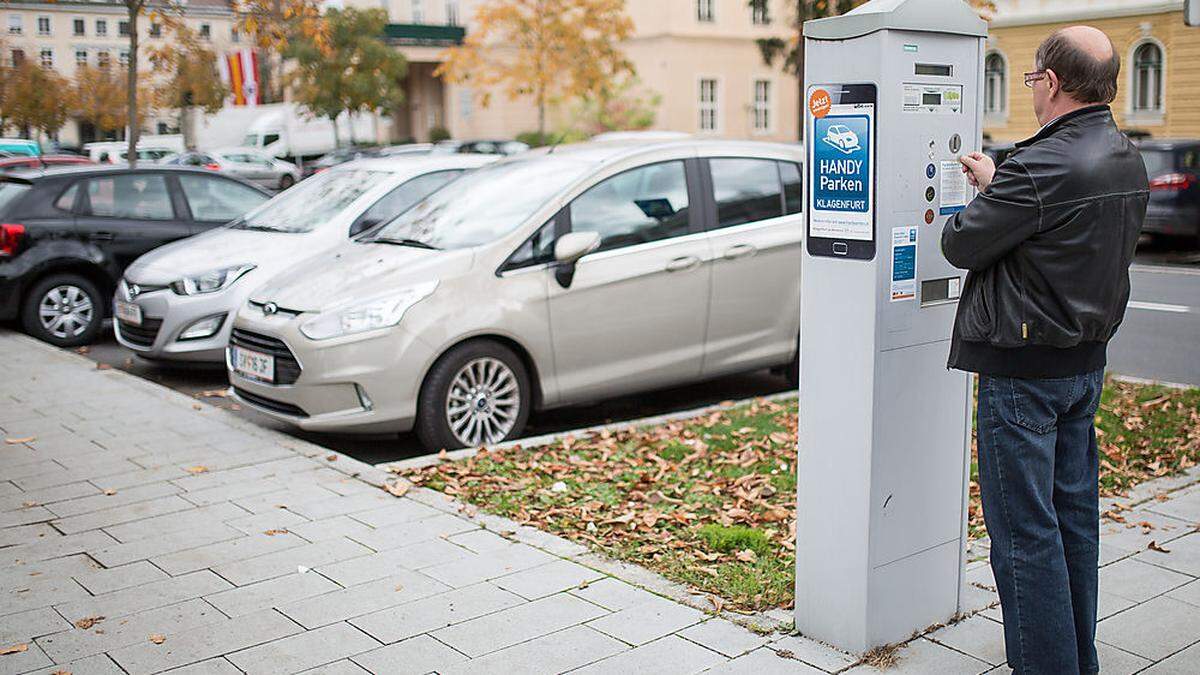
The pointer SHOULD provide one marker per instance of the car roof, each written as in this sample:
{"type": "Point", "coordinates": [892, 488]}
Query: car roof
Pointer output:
{"type": "Point", "coordinates": [61, 170]}
{"type": "Point", "coordinates": [418, 164]}
{"type": "Point", "coordinates": [611, 151]}
{"type": "Point", "coordinates": [1167, 143]}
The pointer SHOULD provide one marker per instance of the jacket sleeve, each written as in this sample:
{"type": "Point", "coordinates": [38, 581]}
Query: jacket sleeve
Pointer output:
{"type": "Point", "coordinates": [996, 221]}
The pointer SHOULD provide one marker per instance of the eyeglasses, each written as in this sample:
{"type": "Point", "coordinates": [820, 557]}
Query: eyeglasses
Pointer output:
{"type": "Point", "coordinates": [1034, 76]}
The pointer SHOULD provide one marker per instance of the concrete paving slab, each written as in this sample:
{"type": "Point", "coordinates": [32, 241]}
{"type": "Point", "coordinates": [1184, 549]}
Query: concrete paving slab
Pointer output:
{"type": "Point", "coordinates": [505, 628]}
{"type": "Point", "coordinates": [671, 655]}
{"type": "Point", "coordinates": [1154, 629]}
{"type": "Point", "coordinates": [421, 654]}
{"type": "Point", "coordinates": [303, 651]}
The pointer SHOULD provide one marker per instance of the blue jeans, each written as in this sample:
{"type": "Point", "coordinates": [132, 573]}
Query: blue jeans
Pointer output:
{"type": "Point", "coordinates": [1038, 475]}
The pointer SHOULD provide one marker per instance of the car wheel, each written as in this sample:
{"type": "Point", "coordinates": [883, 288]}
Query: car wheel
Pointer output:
{"type": "Point", "coordinates": [287, 181]}
{"type": "Point", "coordinates": [63, 309]}
{"type": "Point", "coordinates": [477, 394]}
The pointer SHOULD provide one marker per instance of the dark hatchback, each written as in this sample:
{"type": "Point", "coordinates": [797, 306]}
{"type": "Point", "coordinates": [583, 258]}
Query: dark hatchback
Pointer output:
{"type": "Point", "coordinates": [1173, 168]}
{"type": "Point", "coordinates": [67, 234]}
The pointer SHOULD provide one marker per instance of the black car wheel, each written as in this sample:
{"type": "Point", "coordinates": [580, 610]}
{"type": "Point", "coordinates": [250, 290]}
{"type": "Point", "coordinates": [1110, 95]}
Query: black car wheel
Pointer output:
{"type": "Point", "coordinates": [286, 182]}
{"type": "Point", "coordinates": [477, 394]}
{"type": "Point", "coordinates": [63, 309]}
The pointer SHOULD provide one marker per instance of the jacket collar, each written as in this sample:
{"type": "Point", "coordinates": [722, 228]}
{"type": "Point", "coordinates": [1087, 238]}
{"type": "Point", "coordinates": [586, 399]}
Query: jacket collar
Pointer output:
{"type": "Point", "coordinates": [1061, 120]}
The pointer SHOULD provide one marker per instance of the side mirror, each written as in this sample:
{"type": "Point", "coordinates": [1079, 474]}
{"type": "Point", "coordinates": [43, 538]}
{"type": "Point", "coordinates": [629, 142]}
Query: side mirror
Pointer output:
{"type": "Point", "coordinates": [568, 250]}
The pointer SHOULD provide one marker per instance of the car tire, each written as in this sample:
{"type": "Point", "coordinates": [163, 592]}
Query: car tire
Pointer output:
{"type": "Point", "coordinates": [490, 413]}
{"type": "Point", "coordinates": [286, 181]}
{"type": "Point", "coordinates": [74, 297]}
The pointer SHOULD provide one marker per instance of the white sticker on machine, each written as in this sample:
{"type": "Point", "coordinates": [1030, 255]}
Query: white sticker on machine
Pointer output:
{"type": "Point", "coordinates": [954, 188]}
{"type": "Point", "coordinates": [904, 263]}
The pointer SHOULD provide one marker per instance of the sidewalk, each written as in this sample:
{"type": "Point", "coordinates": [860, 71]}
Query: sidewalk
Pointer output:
{"type": "Point", "coordinates": [141, 531]}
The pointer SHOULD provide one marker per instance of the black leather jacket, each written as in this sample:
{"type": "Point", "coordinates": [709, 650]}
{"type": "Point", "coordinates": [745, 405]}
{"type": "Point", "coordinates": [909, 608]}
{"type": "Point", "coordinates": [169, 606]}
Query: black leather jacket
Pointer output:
{"type": "Point", "coordinates": [1048, 247]}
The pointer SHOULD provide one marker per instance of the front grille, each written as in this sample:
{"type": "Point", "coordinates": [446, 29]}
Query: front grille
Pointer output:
{"type": "Point", "coordinates": [270, 403]}
{"type": "Point", "coordinates": [143, 335]}
{"type": "Point", "coordinates": [287, 368]}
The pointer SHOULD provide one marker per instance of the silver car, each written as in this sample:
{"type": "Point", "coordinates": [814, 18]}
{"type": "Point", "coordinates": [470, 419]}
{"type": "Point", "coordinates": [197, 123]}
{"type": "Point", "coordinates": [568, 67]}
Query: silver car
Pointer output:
{"type": "Point", "coordinates": [246, 163]}
{"type": "Point", "coordinates": [174, 302]}
{"type": "Point", "coordinates": [548, 279]}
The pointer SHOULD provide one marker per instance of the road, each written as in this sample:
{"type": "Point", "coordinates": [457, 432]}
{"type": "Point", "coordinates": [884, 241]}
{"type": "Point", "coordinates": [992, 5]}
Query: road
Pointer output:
{"type": "Point", "coordinates": [1160, 339]}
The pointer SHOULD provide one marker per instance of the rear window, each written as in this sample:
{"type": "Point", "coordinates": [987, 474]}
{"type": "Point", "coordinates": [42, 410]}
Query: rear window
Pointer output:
{"type": "Point", "coordinates": [1158, 162]}
{"type": "Point", "coordinates": [10, 193]}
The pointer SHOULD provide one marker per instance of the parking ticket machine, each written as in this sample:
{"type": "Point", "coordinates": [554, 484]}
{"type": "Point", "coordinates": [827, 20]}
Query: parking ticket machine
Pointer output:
{"type": "Point", "coordinates": [892, 98]}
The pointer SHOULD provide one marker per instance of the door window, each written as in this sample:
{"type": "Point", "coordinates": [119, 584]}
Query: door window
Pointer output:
{"type": "Point", "coordinates": [537, 250]}
{"type": "Point", "coordinates": [746, 190]}
{"type": "Point", "coordinates": [635, 207]}
{"type": "Point", "coordinates": [402, 198]}
{"type": "Point", "coordinates": [217, 199]}
{"type": "Point", "coordinates": [136, 196]}
{"type": "Point", "coordinates": [793, 186]}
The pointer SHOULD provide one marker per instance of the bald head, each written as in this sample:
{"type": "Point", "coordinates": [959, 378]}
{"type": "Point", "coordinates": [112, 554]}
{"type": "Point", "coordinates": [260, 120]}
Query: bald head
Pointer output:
{"type": "Point", "coordinates": [1083, 59]}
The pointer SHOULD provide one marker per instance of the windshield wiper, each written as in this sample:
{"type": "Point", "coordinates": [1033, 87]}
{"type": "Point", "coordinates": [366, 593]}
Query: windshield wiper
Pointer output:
{"type": "Point", "coordinates": [415, 243]}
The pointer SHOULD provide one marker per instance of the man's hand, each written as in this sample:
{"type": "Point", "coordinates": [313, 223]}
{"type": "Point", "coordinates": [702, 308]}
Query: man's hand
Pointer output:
{"type": "Point", "coordinates": [979, 169]}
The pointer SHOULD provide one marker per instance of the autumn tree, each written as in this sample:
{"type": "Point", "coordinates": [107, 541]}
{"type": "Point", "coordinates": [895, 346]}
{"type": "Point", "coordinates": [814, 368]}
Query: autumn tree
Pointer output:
{"type": "Point", "coordinates": [98, 96]}
{"type": "Point", "coordinates": [352, 70]}
{"type": "Point", "coordinates": [35, 98]}
{"type": "Point", "coordinates": [272, 26]}
{"type": "Point", "coordinates": [550, 50]}
{"type": "Point", "coordinates": [187, 79]}
{"type": "Point", "coordinates": [623, 106]}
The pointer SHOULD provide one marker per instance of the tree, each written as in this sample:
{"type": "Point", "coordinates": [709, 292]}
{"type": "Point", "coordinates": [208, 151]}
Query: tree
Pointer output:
{"type": "Point", "coordinates": [623, 106]}
{"type": "Point", "coordinates": [548, 49]}
{"type": "Point", "coordinates": [37, 98]}
{"type": "Point", "coordinates": [353, 70]}
{"type": "Point", "coordinates": [98, 96]}
{"type": "Point", "coordinates": [273, 25]}
{"type": "Point", "coordinates": [188, 79]}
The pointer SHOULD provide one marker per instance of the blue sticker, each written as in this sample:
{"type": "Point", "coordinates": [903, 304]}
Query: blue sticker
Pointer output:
{"type": "Point", "coordinates": [930, 171]}
{"type": "Point", "coordinates": [842, 168]}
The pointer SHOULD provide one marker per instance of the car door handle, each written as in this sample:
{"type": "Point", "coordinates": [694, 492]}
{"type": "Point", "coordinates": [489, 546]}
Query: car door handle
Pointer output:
{"type": "Point", "coordinates": [103, 236]}
{"type": "Point", "coordinates": [739, 251]}
{"type": "Point", "coordinates": [682, 264]}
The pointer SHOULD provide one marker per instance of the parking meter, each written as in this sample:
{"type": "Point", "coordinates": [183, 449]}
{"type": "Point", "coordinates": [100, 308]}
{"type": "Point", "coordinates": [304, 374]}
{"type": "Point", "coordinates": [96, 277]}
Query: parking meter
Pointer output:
{"type": "Point", "coordinates": [893, 97]}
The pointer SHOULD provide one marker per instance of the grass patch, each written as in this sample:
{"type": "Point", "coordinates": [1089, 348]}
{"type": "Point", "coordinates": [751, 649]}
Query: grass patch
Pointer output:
{"type": "Point", "coordinates": [710, 501]}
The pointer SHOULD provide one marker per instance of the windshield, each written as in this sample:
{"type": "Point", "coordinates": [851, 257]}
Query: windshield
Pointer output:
{"type": "Point", "coordinates": [251, 140]}
{"type": "Point", "coordinates": [311, 203]}
{"type": "Point", "coordinates": [1158, 162]}
{"type": "Point", "coordinates": [484, 204]}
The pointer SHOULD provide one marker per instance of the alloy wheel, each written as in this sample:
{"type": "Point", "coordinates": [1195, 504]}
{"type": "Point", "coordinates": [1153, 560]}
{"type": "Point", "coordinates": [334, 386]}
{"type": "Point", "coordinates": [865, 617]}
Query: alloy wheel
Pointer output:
{"type": "Point", "coordinates": [66, 311]}
{"type": "Point", "coordinates": [483, 402]}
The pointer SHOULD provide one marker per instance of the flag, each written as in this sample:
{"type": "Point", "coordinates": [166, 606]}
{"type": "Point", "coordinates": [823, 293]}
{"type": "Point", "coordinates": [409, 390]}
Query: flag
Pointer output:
{"type": "Point", "coordinates": [239, 72]}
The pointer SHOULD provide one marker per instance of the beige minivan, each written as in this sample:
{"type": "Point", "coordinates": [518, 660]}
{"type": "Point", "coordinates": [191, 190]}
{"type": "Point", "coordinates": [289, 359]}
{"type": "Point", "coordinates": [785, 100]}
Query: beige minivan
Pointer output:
{"type": "Point", "coordinates": [556, 277]}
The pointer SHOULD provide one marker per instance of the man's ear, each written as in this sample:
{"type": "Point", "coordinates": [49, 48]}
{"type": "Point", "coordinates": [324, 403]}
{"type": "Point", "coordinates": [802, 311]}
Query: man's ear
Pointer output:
{"type": "Point", "coordinates": [1052, 82]}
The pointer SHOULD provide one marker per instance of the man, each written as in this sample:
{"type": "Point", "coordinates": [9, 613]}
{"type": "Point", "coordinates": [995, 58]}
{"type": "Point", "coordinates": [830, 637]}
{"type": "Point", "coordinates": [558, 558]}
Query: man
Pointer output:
{"type": "Point", "coordinates": [1047, 243]}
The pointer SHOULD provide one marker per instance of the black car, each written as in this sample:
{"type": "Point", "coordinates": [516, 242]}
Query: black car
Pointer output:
{"type": "Point", "coordinates": [1173, 168]}
{"type": "Point", "coordinates": [67, 234]}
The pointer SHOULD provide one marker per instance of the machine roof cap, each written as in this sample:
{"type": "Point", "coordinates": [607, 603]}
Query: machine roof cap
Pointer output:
{"type": "Point", "coordinates": [929, 16]}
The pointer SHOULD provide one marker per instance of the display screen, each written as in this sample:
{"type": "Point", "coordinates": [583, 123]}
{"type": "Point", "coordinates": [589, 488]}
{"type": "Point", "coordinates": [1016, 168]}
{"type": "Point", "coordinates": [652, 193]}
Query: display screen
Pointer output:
{"type": "Point", "coordinates": [841, 158]}
{"type": "Point", "coordinates": [933, 69]}
{"type": "Point", "coordinates": [931, 99]}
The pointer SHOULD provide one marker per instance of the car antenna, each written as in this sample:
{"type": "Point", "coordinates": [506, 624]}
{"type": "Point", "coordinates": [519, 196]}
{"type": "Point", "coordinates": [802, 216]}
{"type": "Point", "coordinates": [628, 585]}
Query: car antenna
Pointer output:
{"type": "Point", "coordinates": [557, 141]}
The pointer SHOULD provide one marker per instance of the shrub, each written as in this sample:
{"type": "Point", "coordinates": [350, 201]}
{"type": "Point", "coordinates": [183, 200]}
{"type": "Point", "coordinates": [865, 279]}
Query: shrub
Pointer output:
{"type": "Point", "coordinates": [439, 134]}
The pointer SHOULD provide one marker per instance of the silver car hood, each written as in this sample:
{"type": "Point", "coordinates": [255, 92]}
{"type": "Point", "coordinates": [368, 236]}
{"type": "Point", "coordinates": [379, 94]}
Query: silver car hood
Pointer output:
{"type": "Point", "coordinates": [355, 271]}
{"type": "Point", "coordinates": [223, 247]}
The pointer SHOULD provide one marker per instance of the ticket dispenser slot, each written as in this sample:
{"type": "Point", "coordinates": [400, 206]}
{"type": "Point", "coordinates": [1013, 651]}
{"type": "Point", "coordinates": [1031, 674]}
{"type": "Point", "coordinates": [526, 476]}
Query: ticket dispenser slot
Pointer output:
{"type": "Point", "coordinates": [884, 426]}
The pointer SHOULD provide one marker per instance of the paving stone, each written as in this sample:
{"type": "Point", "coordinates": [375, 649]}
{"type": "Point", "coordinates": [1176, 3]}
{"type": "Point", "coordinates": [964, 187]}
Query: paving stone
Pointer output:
{"type": "Point", "coordinates": [671, 654]}
{"type": "Point", "coordinates": [1189, 593]}
{"type": "Point", "coordinates": [21, 662]}
{"type": "Point", "coordinates": [122, 514]}
{"type": "Point", "coordinates": [379, 565]}
{"type": "Point", "coordinates": [404, 586]}
{"type": "Point", "coordinates": [115, 632]}
{"type": "Point", "coordinates": [553, 577]}
{"type": "Point", "coordinates": [39, 592]}
{"type": "Point", "coordinates": [407, 534]}
{"type": "Point", "coordinates": [436, 612]}
{"type": "Point", "coordinates": [1114, 661]}
{"type": "Point", "coordinates": [395, 511]}
{"type": "Point", "coordinates": [1139, 581]}
{"type": "Point", "coordinates": [101, 501]}
{"type": "Point", "coordinates": [922, 657]}
{"type": "Point", "coordinates": [218, 666]}
{"type": "Point", "coordinates": [26, 516]}
{"type": "Point", "coordinates": [648, 621]}
{"type": "Point", "coordinates": [293, 496]}
{"type": "Point", "coordinates": [226, 552]}
{"type": "Point", "coordinates": [1186, 662]}
{"type": "Point", "coordinates": [34, 623]}
{"type": "Point", "coordinates": [25, 534]}
{"type": "Point", "coordinates": [114, 554]}
{"type": "Point", "coordinates": [614, 594]}
{"type": "Point", "coordinates": [47, 496]}
{"type": "Point", "coordinates": [283, 562]}
{"type": "Point", "coordinates": [1184, 505]}
{"type": "Point", "coordinates": [1154, 629]}
{"type": "Point", "coordinates": [813, 653]}
{"type": "Point", "coordinates": [138, 476]}
{"type": "Point", "coordinates": [99, 582]}
{"type": "Point", "coordinates": [518, 624]}
{"type": "Point", "coordinates": [418, 655]}
{"type": "Point", "coordinates": [724, 636]}
{"type": "Point", "coordinates": [275, 519]}
{"type": "Point", "coordinates": [271, 593]}
{"type": "Point", "coordinates": [1107, 605]}
{"type": "Point", "coordinates": [26, 573]}
{"type": "Point", "coordinates": [763, 661]}
{"type": "Point", "coordinates": [174, 522]}
{"type": "Point", "coordinates": [142, 598]}
{"type": "Point", "coordinates": [1184, 555]}
{"type": "Point", "coordinates": [223, 493]}
{"type": "Point", "coordinates": [475, 568]}
{"type": "Point", "coordinates": [206, 642]}
{"type": "Point", "coordinates": [103, 476]}
{"type": "Point", "coordinates": [978, 636]}
{"type": "Point", "coordinates": [343, 667]}
{"type": "Point", "coordinates": [306, 650]}
{"type": "Point", "coordinates": [1128, 536]}
{"type": "Point", "coordinates": [554, 653]}
{"type": "Point", "coordinates": [329, 528]}
{"type": "Point", "coordinates": [99, 664]}
{"type": "Point", "coordinates": [481, 541]}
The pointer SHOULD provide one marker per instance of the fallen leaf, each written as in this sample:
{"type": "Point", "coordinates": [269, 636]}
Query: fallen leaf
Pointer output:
{"type": "Point", "coordinates": [235, 407]}
{"type": "Point", "coordinates": [214, 393]}
{"type": "Point", "coordinates": [397, 489]}
{"type": "Point", "coordinates": [158, 638]}
{"type": "Point", "coordinates": [110, 492]}
{"type": "Point", "coordinates": [29, 505]}
{"type": "Point", "coordinates": [272, 533]}
{"type": "Point", "coordinates": [331, 458]}
{"type": "Point", "coordinates": [199, 468]}
{"type": "Point", "coordinates": [399, 587]}
{"type": "Point", "coordinates": [15, 649]}
{"type": "Point", "coordinates": [83, 350]}
{"type": "Point", "coordinates": [18, 441]}
{"type": "Point", "coordinates": [747, 555]}
{"type": "Point", "coordinates": [558, 486]}
{"type": "Point", "coordinates": [1154, 546]}
{"type": "Point", "coordinates": [87, 622]}
{"type": "Point", "coordinates": [197, 406]}
{"type": "Point", "coordinates": [583, 584]}
{"type": "Point", "coordinates": [61, 672]}
{"type": "Point", "coordinates": [717, 603]}
{"type": "Point", "coordinates": [103, 366]}
{"type": "Point", "coordinates": [785, 654]}
{"type": "Point", "coordinates": [301, 569]}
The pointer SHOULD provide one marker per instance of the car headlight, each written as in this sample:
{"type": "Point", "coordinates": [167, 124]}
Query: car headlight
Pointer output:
{"type": "Point", "coordinates": [361, 316]}
{"type": "Point", "coordinates": [210, 281]}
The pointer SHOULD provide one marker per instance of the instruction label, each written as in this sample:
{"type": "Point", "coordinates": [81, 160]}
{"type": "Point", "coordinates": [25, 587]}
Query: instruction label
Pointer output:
{"type": "Point", "coordinates": [904, 263]}
{"type": "Point", "coordinates": [842, 173]}
{"type": "Point", "coordinates": [954, 188]}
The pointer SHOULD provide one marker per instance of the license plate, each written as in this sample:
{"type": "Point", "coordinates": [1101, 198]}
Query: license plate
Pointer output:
{"type": "Point", "coordinates": [253, 364]}
{"type": "Point", "coordinates": [129, 312]}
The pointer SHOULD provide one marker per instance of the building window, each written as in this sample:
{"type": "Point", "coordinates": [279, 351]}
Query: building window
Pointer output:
{"type": "Point", "coordinates": [46, 57]}
{"type": "Point", "coordinates": [18, 57]}
{"type": "Point", "coordinates": [708, 105]}
{"type": "Point", "coordinates": [704, 11]}
{"type": "Point", "coordinates": [101, 27]}
{"type": "Point", "coordinates": [43, 25]}
{"type": "Point", "coordinates": [123, 28]}
{"type": "Point", "coordinates": [418, 11]}
{"type": "Point", "coordinates": [451, 12]}
{"type": "Point", "coordinates": [760, 12]}
{"type": "Point", "coordinates": [762, 105]}
{"type": "Point", "coordinates": [77, 25]}
{"type": "Point", "coordinates": [995, 84]}
{"type": "Point", "coordinates": [155, 30]}
{"type": "Point", "coordinates": [205, 31]}
{"type": "Point", "coordinates": [234, 35]}
{"type": "Point", "coordinates": [1148, 78]}
{"type": "Point", "coordinates": [123, 57]}
{"type": "Point", "coordinates": [81, 57]}
{"type": "Point", "coordinates": [103, 60]}
{"type": "Point", "coordinates": [15, 25]}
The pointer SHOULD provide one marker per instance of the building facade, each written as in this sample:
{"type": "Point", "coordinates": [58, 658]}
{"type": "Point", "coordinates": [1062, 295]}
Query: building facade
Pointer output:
{"type": "Point", "coordinates": [699, 56]}
{"type": "Point", "coordinates": [1160, 63]}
